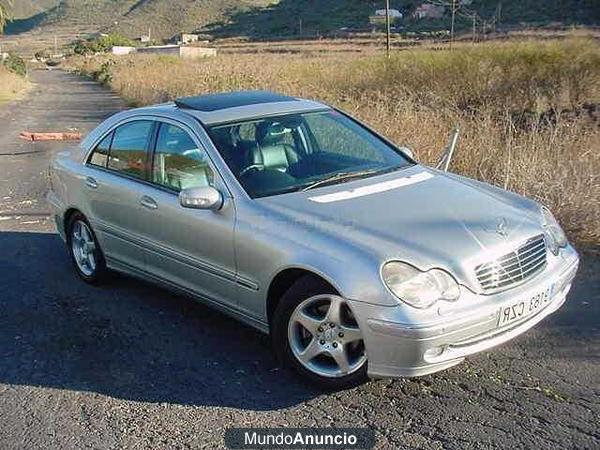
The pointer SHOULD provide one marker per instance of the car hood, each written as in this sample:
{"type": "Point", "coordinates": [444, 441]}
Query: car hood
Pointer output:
{"type": "Point", "coordinates": [419, 215]}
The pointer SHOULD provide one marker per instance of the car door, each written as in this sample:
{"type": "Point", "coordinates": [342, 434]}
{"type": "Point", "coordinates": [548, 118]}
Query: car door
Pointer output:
{"type": "Point", "coordinates": [117, 168]}
{"type": "Point", "coordinates": [191, 248]}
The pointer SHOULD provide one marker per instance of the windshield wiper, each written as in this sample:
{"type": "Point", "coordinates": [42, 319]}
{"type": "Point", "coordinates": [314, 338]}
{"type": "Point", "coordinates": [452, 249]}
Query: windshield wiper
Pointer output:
{"type": "Point", "coordinates": [338, 177]}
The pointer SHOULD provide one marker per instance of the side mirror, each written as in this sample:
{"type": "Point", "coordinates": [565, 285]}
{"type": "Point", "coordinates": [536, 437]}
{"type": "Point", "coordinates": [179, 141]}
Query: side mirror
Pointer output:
{"type": "Point", "coordinates": [205, 197]}
{"type": "Point", "coordinates": [408, 151]}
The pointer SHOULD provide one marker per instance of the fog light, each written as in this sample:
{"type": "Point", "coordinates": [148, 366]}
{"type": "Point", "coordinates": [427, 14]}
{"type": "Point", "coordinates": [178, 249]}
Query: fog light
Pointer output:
{"type": "Point", "coordinates": [434, 352]}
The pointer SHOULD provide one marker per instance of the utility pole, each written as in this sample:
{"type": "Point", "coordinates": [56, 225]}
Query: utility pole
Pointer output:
{"type": "Point", "coordinates": [452, 25]}
{"type": "Point", "coordinates": [387, 26]}
{"type": "Point", "coordinates": [499, 12]}
{"type": "Point", "coordinates": [474, 23]}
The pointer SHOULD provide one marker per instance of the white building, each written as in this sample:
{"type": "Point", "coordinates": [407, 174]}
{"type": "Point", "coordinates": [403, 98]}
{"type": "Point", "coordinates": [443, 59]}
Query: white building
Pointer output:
{"type": "Point", "coordinates": [429, 11]}
{"type": "Point", "coordinates": [187, 38]}
{"type": "Point", "coordinates": [180, 51]}
{"type": "Point", "coordinates": [394, 13]}
{"type": "Point", "coordinates": [122, 50]}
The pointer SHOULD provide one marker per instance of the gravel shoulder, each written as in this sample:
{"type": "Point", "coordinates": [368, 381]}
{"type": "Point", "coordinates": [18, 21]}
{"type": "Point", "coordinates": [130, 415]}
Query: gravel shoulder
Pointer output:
{"type": "Point", "coordinates": [132, 365]}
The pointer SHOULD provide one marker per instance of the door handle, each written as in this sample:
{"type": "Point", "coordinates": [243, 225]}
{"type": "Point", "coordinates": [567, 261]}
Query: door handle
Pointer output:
{"type": "Point", "coordinates": [148, 202]}
{"type": "Point", "coordinates": [91, 182]}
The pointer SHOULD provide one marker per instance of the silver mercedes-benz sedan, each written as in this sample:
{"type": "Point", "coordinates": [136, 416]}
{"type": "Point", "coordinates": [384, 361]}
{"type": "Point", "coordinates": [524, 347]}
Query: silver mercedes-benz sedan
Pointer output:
{"type": "Point", "coordinates": [299, 220]}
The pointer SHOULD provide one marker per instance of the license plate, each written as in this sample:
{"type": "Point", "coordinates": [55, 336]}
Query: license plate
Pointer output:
{"type": "Point", "coordinates": [524, 308]}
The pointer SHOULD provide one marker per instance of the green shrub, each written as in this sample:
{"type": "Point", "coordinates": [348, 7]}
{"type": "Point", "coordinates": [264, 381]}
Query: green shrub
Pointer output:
{"type": "Point", "coordinates": [15, 64]}
{"type": "Point", "coordinates": [103, 74]}
{"type": "Point", "coordinates": [42, 54]}
{"type": "Point", "coordinates": [103, 44]}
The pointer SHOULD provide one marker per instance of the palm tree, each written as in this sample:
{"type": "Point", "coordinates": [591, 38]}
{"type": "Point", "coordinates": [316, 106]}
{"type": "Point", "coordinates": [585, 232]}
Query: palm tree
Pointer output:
{"type": "Point", "coordinates": [4, 15]}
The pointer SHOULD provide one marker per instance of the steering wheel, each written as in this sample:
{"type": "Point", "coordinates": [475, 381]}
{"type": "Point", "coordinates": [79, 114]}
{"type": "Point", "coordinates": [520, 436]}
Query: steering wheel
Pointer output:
{"type": "Point", "coordinates": [252, 167]}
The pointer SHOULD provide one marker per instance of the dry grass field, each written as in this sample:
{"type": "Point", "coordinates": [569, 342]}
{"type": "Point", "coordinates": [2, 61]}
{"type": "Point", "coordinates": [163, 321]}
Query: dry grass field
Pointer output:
{"type": "Point", "coordinates": [11, 85]}
{"type": "Point", "coordinates": [529, 112]}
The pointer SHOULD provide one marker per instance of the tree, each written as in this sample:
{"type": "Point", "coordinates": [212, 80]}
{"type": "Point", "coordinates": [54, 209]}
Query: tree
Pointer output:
{"type": "Point", "coordinates": [5, 5]}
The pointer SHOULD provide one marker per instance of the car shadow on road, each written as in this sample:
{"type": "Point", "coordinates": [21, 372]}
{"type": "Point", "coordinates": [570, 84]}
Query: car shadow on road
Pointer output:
{"type": "Point", "coordinates": [129, 339]}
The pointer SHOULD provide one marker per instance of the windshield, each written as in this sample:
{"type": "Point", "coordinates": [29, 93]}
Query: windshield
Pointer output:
{"type": "Point", "coordinates": [275, 155]}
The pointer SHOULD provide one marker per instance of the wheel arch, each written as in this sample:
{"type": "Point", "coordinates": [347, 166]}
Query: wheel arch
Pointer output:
{"type": "Point", "coordinates": [67, 216]}
{"type": "Point", "coordinates": [284, 279]}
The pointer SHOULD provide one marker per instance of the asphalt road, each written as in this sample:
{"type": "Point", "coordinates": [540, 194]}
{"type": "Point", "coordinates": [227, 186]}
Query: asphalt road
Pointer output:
{"type": "Point", "coordinates": [131, 365]}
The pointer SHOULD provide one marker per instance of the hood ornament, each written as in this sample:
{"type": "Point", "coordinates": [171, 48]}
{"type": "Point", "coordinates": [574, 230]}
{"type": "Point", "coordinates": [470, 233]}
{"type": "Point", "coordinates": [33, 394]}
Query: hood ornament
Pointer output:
{"type": "Point", "coordinates": [501, 227]}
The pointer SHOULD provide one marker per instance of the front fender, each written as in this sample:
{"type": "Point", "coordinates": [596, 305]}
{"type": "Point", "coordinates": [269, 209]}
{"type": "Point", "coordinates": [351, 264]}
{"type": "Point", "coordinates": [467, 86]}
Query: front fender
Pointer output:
{"type": "Point", "coordinates": [355, 276]}
{"type": "Point", "coordinates": [265, 248]}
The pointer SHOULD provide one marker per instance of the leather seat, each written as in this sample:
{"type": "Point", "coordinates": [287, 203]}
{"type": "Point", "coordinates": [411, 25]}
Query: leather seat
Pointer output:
{"type": "Point", "coordinates": [180, 172]}
{"type": "Point", "coordinates": [191, 177]}
{"type": "Point", "coordinates": [271, 151]}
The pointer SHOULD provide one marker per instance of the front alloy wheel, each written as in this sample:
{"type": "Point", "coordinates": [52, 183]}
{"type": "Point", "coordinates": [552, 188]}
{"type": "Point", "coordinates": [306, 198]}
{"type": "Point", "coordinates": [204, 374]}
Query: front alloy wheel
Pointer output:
{"type": "Point", "coordinates": [315, 332]}
{"type": "Point", "coordinates": [325, 338]}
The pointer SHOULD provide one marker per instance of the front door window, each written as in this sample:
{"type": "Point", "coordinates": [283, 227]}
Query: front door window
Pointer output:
{"type": "Point", "coordinates": [178, 162]}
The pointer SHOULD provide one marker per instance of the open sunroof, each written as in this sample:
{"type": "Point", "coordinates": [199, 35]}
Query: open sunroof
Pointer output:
{"type": "Point", "coordinates": [215, 102]}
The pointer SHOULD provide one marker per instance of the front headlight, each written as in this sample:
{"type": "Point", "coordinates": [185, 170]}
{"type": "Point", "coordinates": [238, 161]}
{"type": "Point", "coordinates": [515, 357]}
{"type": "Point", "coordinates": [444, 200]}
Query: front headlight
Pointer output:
{"type": "Point", "coordinates": [416, 288]}
{"type": "Point", "coordinates": [555, 234]}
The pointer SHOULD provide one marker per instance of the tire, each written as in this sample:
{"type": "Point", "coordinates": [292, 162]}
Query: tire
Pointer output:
{"type": "Point", "coordinates": [94, 273]}
{"type": "Point", "coordinates": [309, 292]}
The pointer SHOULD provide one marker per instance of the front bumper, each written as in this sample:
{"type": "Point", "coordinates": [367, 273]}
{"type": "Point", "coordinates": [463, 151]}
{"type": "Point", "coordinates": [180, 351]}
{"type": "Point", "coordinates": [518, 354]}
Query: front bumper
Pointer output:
{"type": "Point", "coordinates": [398, 349]}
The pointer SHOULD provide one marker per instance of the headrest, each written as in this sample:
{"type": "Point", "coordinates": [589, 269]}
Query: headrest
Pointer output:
{"type": "Point", "coordinates": [269, 133]}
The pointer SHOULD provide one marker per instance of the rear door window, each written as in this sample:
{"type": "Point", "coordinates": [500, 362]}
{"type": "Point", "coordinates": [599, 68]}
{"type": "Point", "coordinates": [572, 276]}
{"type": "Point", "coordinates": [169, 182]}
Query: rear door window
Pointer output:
{"type": "Point", "coordinates": [128, 152]}
{"type": "Point", "coordinates": [100, 154]}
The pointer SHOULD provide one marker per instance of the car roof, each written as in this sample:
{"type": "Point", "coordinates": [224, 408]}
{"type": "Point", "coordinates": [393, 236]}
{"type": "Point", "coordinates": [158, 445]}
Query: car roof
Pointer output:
{"type": "Point", "coordinates": [212, 109]}
{"type": "Point", "coordinates": [216, 102]}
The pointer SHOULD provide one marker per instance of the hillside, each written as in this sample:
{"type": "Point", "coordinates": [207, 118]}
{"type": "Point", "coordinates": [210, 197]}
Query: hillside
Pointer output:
{"type": "Point", "coordinates": [271, 18]}
{"type": "Point", "coordinates": [23, 9]}
{"type": "Point", "coordinates": [311, 17]}
{"type": "Point", "coordinates": [164, 18]}
{"type": "Point", "coordinates": [168, 17]}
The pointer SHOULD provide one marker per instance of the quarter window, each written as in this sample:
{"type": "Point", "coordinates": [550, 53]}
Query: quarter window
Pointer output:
{"type": "Point", "coordinates": [100, 154]}
{"type": "Point", "coordinates": [178, 162]}
{"type": "Point", "coordinates": [128, 150]}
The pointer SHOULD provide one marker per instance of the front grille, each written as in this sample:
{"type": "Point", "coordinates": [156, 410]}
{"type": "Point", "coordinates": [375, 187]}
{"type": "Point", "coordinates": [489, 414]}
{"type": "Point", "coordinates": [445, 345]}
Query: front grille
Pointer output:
{"type": "Point", "coordinates": [514, 267]}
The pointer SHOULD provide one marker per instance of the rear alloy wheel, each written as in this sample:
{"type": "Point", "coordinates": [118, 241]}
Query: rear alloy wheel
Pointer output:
{"type": "Point", "coordinates": [322, 338]}
{"type": "Point", "coordinates": [85, 251]}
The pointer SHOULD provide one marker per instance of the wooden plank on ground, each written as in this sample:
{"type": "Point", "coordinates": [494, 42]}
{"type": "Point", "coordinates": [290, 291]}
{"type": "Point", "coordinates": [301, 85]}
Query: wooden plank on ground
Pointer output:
{"type": "Point", "coordinates": [30, 136]}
